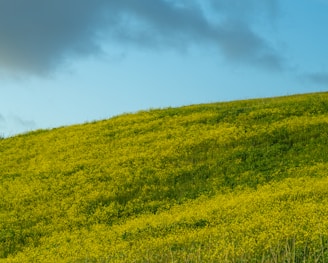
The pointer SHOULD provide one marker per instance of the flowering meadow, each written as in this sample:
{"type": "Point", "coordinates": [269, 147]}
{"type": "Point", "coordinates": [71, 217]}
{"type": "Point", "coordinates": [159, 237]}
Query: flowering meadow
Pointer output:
{"type": "Point", "coordinates": [242, 181]}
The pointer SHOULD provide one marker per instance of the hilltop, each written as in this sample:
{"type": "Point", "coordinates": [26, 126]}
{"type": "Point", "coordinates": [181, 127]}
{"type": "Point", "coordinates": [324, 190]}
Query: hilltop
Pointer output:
{"type": "Point", "coordinates": [241, 181]}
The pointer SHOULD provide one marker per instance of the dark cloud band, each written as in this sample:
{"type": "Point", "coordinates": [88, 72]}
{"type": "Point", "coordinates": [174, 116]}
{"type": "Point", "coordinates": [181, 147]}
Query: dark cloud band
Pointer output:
{"type": "Point", "coordinates": [37, 36]}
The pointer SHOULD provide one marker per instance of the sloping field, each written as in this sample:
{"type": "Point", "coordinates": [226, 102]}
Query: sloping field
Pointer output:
{"type": "Point", "coordinates": [243, 181]}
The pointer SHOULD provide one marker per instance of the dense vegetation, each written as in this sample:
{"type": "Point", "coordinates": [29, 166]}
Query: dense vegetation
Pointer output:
{"type": "Point", "coordinates": [243, 181]}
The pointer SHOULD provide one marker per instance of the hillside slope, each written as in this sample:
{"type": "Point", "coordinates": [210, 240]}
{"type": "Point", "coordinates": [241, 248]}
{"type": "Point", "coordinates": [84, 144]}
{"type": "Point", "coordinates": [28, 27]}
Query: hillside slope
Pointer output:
{"type": "Point", "coordinates": [224, 182]}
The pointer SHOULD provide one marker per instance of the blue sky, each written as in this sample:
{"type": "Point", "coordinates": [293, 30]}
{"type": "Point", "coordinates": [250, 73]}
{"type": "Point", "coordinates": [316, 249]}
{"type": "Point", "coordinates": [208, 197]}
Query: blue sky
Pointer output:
{"type": "Point", "coordinates": [72, 61]}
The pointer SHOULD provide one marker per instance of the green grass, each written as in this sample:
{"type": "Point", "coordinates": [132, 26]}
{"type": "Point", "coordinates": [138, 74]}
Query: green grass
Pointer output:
{"type": "Point", "coordinates": [242, 181]}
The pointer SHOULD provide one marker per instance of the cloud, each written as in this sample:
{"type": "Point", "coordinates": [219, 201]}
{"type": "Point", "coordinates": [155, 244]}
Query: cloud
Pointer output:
{"type": "Point", "coordinates": [15, 122]}
{"type": "Point", "coordinates": [240, 44]}
{"type": "Point", "coordinates": [248, 10]}
{"type": "Point", "coordinates": [320, 78]}
{"type": "Point", "coordinates": [25, 124]}
{"type": "Point", "coordinates": [39, 36]}
{"type": "Point", "coordinates": [2, 126]}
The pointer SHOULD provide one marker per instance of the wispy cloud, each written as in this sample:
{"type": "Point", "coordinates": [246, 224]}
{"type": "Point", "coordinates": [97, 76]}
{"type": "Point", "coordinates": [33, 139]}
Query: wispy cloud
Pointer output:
{"type": "Point", "coordinates": [2, 126]}
{"type": "Point", "coordinates": [25, 124]}
{"type": "Point", "coordinates": [11, 123]}
{"type": "Point", "coordinates": [248, 10]}
{"type": "Point", "coordinates": [240, 44]}
{"type": "Point", "coordinates": [38, 36]}
{"type": "Point", "coordinates": [2, 119]}
{"type": "Point", "coordinates": [320, 78]}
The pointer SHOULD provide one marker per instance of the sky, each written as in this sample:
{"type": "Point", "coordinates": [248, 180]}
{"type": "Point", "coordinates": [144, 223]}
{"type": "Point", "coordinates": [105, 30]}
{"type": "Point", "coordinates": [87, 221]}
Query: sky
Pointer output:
{"type": "Point", "coordinates": [65, 62]}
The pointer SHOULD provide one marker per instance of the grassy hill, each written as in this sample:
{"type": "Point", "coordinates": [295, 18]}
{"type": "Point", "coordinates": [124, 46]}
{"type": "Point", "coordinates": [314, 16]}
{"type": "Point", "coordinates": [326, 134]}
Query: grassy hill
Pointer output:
{"type": "Point", "coordinates": [242, 181]}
